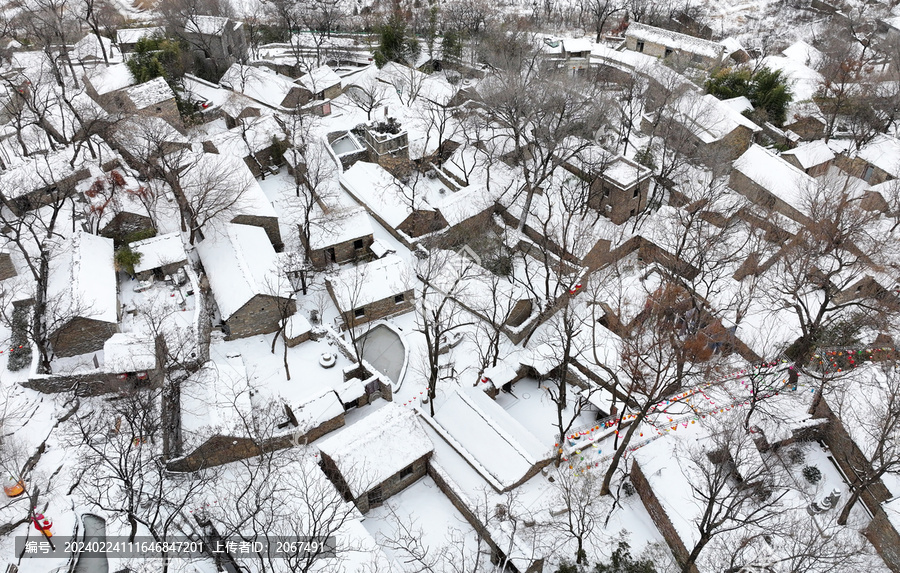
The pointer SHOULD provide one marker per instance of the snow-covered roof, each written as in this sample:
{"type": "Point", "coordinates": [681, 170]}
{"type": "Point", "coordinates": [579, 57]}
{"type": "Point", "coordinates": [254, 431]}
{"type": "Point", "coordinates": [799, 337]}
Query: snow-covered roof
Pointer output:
{"type": "Point", "coordinates": [676, 41]}
{"type": "Point", "coordinates": [132, 35]}
{"type": "Point", "coordinates": [128, 352]}
{"type": "Point", "coordinates": [206, 25]}
{"type": "Point", "coordinates": [232, 172]}
{"type": "Point", "coordinates": [141, 137]}
{"type": "Point", "coordinates": [215, 399]}
{"type": "Point", "coordinates": [804, 81]}
{"type": "Point", "coordinates": [811, 154]}
{"type": "Point", "coordinates": [739, 104]}
{"type": "Point", "coordinates": [377, 447]}
{"type": "Point", "coordinates": [40, 171]}
{"type": "Point", "coordinates": [465, 204]}
{"type": "Point", "coordinates": [319, 79]}
{"type": "Point", "coordinates": [351, 390]}
{"type": "Point", "coordinates": [83, 279]}
{"type": "Point", "coordinates": [776, 175]}
{"type": "Point", "coordinates": [803, 53]}
{"type": "Point", "coordinates": [884, 153]}
{"type": "Point", "coordinates": [260, 84]}
{"type": "Point", "coordinates": [252, 136]}
{"type": "Point", "coordinates": [577, 44]}
{"type": "Point", "coordinates": [708, 118]}
{"type": "Point", "coordinates": [360, 285]}
{"type": "Point", "coordinates": [150, 93]}
{"type": "Point", "coordinates": [381, 193]}
{"type": "Point", "coordinates": [318, 407]}
{"type": "Point", "coordinates": [240, 263]}
{"type": "Point", "coordinates": [105, 79]}
{"type": "Point", "coordinates": [339, 227]}
{"type": "Point", "coordinates": [158, 251]}
{"type": "Point", "coordinates": [499, 443]}
{"type": "Point", "coordinates": [88, 48]}
{"type": "Point", "coordinates": [296, 325]}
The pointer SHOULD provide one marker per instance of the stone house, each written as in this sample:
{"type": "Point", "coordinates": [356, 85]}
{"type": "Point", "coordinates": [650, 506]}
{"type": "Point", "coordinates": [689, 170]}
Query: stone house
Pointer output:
{"type": "Point", "coordinates": [264, 86]}
{"type": "Point", "coordinates": [619, 187]}
{"type": "Point", "coordinates": [402, 211]}
{"type": "Point", "coordinates": [216, 42]}
{"type": "Point", "coordinates": [806, 120]}
{"type": "Point", "coordinates": [132, 359]}
{"type": "Point", "coordinates": [771, 182]}
{"type": "Point", "coordinates": [876, 162]}
{"type": "Point", "coordinates": [253, 297]}
{"type": "Point", "coordinates": [812, 158]}
{"type": "Point", "coordinates": [704, 127]}
{"type": "Point", "coordinates": [373, 290]}
{"type": "Point", "coordinates": [339, 237]}
{"type": "Point", "coordinates": [107, 84]}
{"type": "Point", "coordinates": [160, 256]}
{"type": "Point", "coordinates": [367, 462]}
{"type": "Point", "coordinates": [320, 84]}
{"type": "Point", "coordinates": [213, 407]}
{"type": "Point", "coordinates": [88, 50]}
{"type": "Point", "coordinates": [505, 453]}
{"type": "Point", "coordinates": [253, 139]}
{"type": "Point", "coordinates": [154, 98]}
{"type": "Point", "coordinates": [387, 144]}
{"type": "Point", "coordinates": [127, 38]}
{"type": "Point", "coordinates": [237, 107]}
{"type": "Point", "coordinates": [665, 43]}
{"type": "Point", "coordinates": [83, 312]}
{"type": "Point", "coordinates": [251, 208]}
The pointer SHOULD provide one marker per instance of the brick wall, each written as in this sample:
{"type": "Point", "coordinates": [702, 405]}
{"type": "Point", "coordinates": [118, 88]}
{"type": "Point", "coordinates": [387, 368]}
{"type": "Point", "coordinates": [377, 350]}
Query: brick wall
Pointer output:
{"type": "Point", "coordinates": [81, 335]}
{"type": "Point", "coordinates": [261, 315]}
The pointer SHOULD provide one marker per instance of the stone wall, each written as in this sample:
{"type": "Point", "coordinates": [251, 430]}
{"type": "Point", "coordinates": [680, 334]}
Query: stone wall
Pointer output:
{"type": "Point", "coordinates": [807, 127]}
{"type": "Point", "coordinates": [82, 335]}
{"type": "Point", "coordinates": [268, 224]}
{"type": "Point", "coordinates": [761, 196]}
{"type": "Point", "coordinates": [393, 485]}
{"type": "Point", "coordinates": [857, 167]}
{"type": "Point", "coordinates": [658, 514]}
{"type": "Point", "coordinates": [848, 455]}
{"type": "Point", "coordinates": [7, 268]}
{"type": "Point", "coordinates": [882, 534]}
{"type": "Point", "coordinates": [124, 224]}
{"type": "Point", "coordinates": [379, 309]}
{"type": "Point", "coordinates": [343, 252]}
{"type": "Point", "coordinates": [260, 315]}
{"type": "Point", "coordinates": [219, 450]}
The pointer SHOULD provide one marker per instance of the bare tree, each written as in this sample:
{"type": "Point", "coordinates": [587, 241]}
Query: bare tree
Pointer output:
{"type": "Point", "coordinates": [734, 489]}
{"type": "Point", "coordinates": [443, 277]}
{"type": "Point", "coordinates": [368, 94]}
{"type": "Point", "coordinates": [870, 403]}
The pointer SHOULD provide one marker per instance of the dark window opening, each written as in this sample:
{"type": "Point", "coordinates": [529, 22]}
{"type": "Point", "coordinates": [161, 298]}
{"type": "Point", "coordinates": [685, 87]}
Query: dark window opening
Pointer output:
{"type": "Point", "coordinates": [636, 193]}
{"type": "Point", "coordinates": [359, 312]}
{"type": "Point", "coordinates": [399, 298]}
{"type": "Point", "coordinates": [632, 213]}
{"type": "Point", "coordinates": [406, 472]}
{"type": "Point", "coordinates": [358, 244]}
{"type": "Point", "coordinates": [375, 496]}
{"type": "Point", "coordinates": [640, 46]}
{"type": "Point", "coordinates": [668, 52]}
